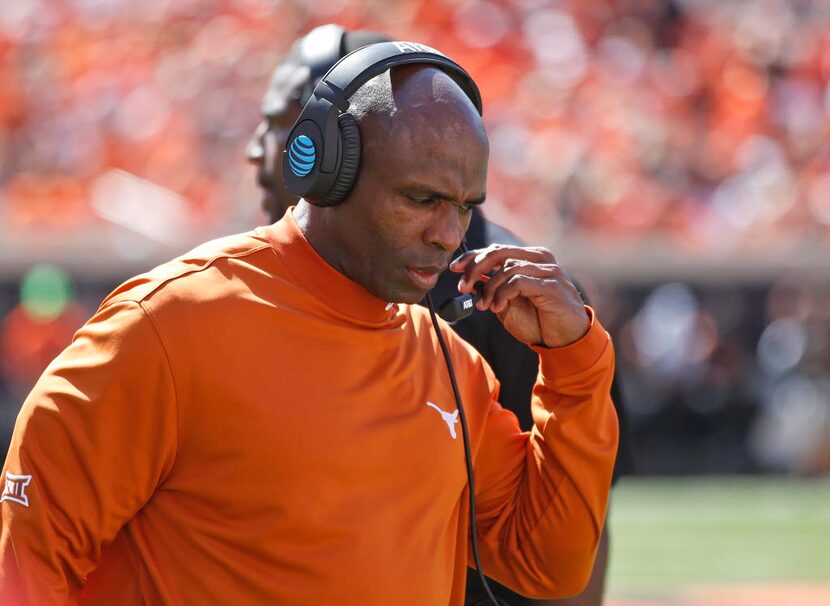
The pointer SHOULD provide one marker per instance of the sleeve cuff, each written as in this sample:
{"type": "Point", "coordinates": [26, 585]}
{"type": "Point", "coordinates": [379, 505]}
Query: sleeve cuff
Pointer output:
{"type": "Point", "coordinates": [558, 362]}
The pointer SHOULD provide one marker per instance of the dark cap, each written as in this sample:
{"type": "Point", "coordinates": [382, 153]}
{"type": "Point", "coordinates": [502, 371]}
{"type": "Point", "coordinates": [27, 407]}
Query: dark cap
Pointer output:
{"type": "Point", "coordinates": [310, 58]}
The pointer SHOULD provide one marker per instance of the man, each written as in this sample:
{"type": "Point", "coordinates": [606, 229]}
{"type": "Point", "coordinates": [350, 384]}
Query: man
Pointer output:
{"type": "Point", "coordinates": [252, 423]}
{"type": "Point", "coordinates": [514, 364]}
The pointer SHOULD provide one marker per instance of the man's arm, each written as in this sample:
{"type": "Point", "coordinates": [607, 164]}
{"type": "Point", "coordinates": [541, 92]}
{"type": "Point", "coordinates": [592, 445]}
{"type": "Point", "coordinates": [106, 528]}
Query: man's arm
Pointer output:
{"type": "Point", "coordinates": [594, 592]}
{"type": "Point", "coordinates": [92, 441]}
{"type": "Point", "coordinates": [542, 502]}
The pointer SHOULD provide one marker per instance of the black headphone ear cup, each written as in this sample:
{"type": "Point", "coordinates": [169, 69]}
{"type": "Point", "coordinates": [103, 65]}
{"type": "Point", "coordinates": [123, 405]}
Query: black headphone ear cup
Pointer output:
{"type": "Point", "coordinates": [350, 138]}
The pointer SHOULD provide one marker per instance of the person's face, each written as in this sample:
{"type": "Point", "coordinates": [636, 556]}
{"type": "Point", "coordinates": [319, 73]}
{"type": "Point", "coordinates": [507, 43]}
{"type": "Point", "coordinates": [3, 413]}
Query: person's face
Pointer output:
{"type": "Point", "coordinates": [412, 201]}
{"type": "Point", "coordinates": [280, 109]}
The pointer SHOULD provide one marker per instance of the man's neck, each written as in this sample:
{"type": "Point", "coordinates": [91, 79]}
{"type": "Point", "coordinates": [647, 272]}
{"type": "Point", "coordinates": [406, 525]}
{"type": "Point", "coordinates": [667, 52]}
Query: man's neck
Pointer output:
{"type": "Point", "coordinates": [313, 223]}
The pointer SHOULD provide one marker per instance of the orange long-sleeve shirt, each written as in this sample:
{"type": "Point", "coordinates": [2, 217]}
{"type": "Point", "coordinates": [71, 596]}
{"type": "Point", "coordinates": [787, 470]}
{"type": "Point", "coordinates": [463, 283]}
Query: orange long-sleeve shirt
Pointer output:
{"type": "Point", "coordinates": [245, 425]}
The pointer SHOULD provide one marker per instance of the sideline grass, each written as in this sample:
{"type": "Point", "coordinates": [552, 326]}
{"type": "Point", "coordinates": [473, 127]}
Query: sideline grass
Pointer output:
{"type": "Point", "coordinates": [669, 534]}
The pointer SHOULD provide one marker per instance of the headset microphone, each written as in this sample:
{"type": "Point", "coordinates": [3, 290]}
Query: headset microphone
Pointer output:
{"type": "Point", "coordinates": [457, 308]}
{"type": "Point", "coordinates": [460, 307]}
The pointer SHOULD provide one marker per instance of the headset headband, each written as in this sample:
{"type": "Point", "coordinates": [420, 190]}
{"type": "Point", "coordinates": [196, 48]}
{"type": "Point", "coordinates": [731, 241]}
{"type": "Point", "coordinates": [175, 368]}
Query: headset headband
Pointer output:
{"type": "Point", "coordinates": [357, 68]}
{"type": "Point", "coordinates": [321, 157]}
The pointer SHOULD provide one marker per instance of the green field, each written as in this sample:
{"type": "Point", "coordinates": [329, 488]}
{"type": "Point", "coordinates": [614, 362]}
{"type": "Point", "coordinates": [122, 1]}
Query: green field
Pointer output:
{"type": "Point", "coordinates": [670, 534]}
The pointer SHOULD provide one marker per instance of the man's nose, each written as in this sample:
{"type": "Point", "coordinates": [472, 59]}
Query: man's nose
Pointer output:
{"type": "Point", "coordinates": [447, 227]}
{"type": "Point", "coordinates": [255, 150]}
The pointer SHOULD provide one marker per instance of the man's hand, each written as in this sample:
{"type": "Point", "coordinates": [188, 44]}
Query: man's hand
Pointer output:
{"type": "Point", "coordinates": [528, 292]}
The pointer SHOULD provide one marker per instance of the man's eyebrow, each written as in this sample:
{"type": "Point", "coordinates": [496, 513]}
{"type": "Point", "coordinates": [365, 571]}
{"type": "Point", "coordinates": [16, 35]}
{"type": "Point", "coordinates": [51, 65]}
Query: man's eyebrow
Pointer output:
{"type": "Point", "coordinates": [425, 192]}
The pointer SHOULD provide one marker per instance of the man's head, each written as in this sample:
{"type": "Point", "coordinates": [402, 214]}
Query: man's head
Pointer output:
{"type": "Point", "coordinates": [291, 85]}
{"type": "Point", "coordinates": [423, 167]}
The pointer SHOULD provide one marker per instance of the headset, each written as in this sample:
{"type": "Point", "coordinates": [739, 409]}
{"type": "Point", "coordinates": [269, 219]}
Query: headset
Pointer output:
{"type": "Point", "coordinates": [322, 156]}
{"type": "Point", "coordinates": [320, 50]}
{"type": "Point", "coordinates": [322, 152]}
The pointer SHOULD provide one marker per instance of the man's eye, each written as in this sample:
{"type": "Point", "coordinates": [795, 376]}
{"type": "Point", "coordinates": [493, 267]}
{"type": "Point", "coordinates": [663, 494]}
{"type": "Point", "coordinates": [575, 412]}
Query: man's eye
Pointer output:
{"type": "Point", "coordinates": [466, 208]}
{"type": "Point", "coordinates": [421, 201]}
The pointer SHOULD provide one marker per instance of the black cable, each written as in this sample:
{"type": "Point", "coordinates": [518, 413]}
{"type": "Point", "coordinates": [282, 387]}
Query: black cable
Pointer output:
{"type": "Point", "coordinates": [467, 453]}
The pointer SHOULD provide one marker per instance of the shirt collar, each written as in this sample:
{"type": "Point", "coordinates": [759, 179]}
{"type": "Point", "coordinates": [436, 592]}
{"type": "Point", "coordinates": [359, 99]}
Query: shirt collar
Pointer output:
{"type": "Point", "coordinates": [341, 294]}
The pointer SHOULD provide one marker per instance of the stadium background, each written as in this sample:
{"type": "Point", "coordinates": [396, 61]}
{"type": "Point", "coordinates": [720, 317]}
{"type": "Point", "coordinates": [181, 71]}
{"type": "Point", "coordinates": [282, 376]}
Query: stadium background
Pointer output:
{"type": "Point", "coordinates": [675, 156]}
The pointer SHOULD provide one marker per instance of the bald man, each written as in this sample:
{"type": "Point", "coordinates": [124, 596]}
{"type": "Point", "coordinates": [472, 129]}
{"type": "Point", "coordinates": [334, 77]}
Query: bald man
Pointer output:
{"type": "Point", "coordinates": [267, 419]}
{"type": "Point", "coordinates": [514, 365]}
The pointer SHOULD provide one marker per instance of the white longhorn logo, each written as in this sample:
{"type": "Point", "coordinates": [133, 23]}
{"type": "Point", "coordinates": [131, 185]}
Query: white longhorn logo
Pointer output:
{"type": "Point", "coordinates": [449, 418]}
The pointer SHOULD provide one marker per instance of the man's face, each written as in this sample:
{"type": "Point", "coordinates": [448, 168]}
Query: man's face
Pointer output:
{"type": "Point", "coordinates": [280, 109]}
{"type": "Point", "coordinates": [419, 179]}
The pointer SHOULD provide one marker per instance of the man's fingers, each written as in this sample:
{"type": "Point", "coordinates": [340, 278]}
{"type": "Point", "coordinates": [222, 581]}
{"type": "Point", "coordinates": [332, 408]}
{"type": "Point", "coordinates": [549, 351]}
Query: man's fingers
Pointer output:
{"type": "Point", "coordinates": [461, 261]}
{"type": "Point", "coordinates": [520, 286]}
{"type": "Point", "coordinates": [515, 267]}
{"type": "Point", "coordinates": [477, 263]}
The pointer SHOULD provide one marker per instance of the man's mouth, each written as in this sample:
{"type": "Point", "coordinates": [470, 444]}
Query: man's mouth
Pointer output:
{"type": "Point", "coordinates": [425, 278]}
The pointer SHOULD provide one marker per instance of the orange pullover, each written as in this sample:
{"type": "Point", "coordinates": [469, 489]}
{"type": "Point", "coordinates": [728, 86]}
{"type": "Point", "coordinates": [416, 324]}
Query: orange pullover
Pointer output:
{"type": "Point", "coordinates": [246, 425]}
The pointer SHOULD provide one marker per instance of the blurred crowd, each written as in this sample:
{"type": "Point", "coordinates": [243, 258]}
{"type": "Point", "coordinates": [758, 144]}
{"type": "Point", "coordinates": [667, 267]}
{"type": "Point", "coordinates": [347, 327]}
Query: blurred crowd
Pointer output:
{"type": "Point", "coordinates": [703, 120]}
{"type": "Point", "coordinates": [702, 123]}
